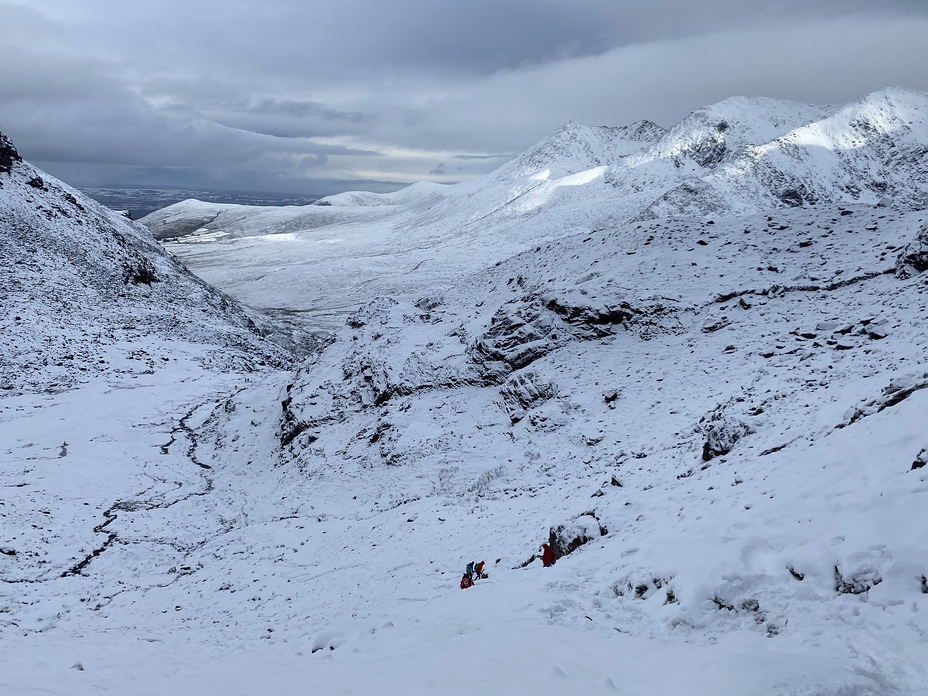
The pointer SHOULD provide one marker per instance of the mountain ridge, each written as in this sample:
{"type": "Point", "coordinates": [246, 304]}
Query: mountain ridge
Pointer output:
{"type": "Point", "coordinates": [79, 279]}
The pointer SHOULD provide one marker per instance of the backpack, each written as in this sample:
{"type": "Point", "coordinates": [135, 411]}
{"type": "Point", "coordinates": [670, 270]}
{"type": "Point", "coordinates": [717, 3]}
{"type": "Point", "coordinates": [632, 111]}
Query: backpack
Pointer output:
{"type": "Point", "coordinates": [466, 582]}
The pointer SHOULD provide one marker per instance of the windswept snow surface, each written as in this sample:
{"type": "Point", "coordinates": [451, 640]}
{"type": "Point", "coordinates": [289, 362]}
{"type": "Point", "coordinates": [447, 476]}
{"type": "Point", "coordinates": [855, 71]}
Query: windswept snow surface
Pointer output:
{"type": "Point", "coordinates": [729, 413]}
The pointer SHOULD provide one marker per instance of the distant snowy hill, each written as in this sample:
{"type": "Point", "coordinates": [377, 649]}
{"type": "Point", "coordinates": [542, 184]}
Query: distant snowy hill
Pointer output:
{"type": "Point", "coordinates": [738, 156]}
{"type": "Point", "coordinates": [84, 290]}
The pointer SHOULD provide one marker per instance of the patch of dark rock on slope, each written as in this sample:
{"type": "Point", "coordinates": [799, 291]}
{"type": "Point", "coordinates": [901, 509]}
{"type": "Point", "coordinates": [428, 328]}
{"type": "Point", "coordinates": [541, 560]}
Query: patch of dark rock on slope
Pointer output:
{"type": "Point", "coordinates": [526, 329]}
{"type": "Point", "coordinates": [721, 436]}
{"type": "Point", "coordinates": [914, 257]}
{"type": "Point", "coordinates": [8, 155]}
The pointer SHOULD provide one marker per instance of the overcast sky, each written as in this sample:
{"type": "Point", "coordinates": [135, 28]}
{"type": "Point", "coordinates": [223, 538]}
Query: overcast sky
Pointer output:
{"type": "Point", "coordinates": [317, 96]}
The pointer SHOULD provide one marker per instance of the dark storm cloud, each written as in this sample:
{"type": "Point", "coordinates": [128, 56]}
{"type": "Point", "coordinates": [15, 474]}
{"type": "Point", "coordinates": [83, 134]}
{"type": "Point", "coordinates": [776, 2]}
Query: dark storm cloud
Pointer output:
{"type": "Point", "coordinates": [278, 93]}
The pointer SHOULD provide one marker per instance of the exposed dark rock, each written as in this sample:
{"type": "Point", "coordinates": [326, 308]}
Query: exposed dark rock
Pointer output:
{"type": "Point", "coordinates": [711, 151]}
{"type": "Point", "coordinates": [564, 539]}
{"type": "Point", "coordinates": [139, 271]}
{"type": "Point", "coordinates": [713, 325]}
{"type": "Point", "coordinates": [530, 327]}
{"type": "Point", "coordinates": [721, 436]}
{"type": "Point", "coordinates": [857, 582]}
{"type": "Point", "coordinates": [920, 460]}
{"type": "Point", "coordinates": [8, 155]}
{"type": "Point", "coordinates": [898, 390]}
{"type": "Point", "coordinates": [796, 196]}
{"type": "Point", "coordinates": [290, 426]}
{"type": "Point", "coordinates": [596, 319]}
{"type": "Point", "coordinates": [914, 258]}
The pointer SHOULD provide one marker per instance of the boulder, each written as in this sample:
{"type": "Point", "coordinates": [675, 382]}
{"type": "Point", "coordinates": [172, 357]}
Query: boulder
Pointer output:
{"type": "Point", "coordinates": [721, 436]}
{"type": "Point", "coordinates": [564, 539]}
{"type": "Point", "coordinates": [914, 257]}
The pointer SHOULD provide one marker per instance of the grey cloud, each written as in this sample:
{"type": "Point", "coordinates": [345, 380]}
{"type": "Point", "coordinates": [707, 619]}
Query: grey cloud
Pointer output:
{"type": "Point", "coordinates": [486, 157]}
{"type": "Point", "coordinates": [302, 109]}
{"type": "Point", "coordinates": [277, 93]}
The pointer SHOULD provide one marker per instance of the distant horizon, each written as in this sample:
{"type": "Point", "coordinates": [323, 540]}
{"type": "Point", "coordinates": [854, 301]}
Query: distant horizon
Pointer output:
{"type": "Point", "coordinates": [141, 201]}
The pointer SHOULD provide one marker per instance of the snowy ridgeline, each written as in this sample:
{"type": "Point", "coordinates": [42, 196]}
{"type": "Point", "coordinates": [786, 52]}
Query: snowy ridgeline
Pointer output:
{"type": "Point", "coordinates": [86, 291]}
{"type": "Point", "coordinates": [718, 423]}
{"type": "Point", "coordinates": [737, 157]}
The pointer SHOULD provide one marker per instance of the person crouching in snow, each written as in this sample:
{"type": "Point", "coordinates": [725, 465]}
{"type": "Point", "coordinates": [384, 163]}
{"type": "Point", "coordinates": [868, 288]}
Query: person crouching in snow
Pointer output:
{"type": "Point", "coordinates": [547, 555]}
{"type": "Point", "coordinates": [468, 579]}
{"type": "Point", "coordinates": [472, 573]}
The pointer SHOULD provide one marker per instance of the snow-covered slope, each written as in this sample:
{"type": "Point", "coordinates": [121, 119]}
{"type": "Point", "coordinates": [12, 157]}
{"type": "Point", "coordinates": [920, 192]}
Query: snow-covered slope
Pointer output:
{"type": "Point", "coordinates": [735, 407]}
{"type": "Point", "coordinates": [717, 422]}
{"type": "Point", "coordinates": [84, 291]}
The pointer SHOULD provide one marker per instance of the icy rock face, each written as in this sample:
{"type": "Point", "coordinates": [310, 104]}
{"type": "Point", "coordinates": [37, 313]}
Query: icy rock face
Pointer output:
{"type": "Point", "coordinates": [564, 539]}
{"type": "Point", "coordinates": [722, 435]}
{"type": "Point", "coordinates": [520, 332]}
{"type": "Point", "coordinates": [914, 258]}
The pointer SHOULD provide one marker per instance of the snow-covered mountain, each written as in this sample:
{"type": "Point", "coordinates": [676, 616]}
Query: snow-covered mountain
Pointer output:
{"type": "Point", "coordinates": [740, 156]}
{"type": "Point", "coordinates": [86, 290]}
{"type": "Point", "coordinates": [717, 422]}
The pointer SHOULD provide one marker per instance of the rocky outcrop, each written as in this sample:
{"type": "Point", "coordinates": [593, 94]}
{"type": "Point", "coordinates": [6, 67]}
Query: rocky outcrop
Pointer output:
{"type": "Point", "coordinates": [8, 155]}
{"type": "Point", "coordinates": [564, 539]}
{"type": "Point", "coordinates": [859, 572]}
{"type": "Point", "coordinates": [920, 460]}
{"type": "Point", "coordinates": [914, 257]}
{"type": "Point", "coordinates": [721, 436]}
{"type": "Point", "coordinates": [898, 390]}
{"type": "Point", "coordinates": [524, 391]}
{"type": "Point", "coordinates": [526, 329]}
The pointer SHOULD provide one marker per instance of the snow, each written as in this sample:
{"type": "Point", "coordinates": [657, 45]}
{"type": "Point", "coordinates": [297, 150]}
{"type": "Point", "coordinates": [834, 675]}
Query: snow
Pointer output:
{"type": "Point", "coordinates": [493, 374]}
